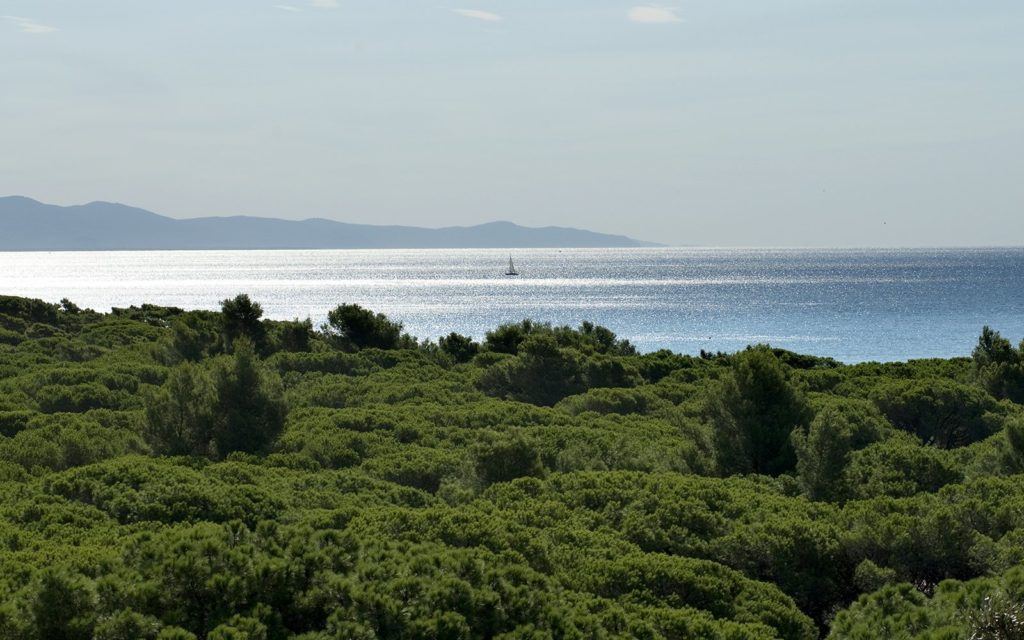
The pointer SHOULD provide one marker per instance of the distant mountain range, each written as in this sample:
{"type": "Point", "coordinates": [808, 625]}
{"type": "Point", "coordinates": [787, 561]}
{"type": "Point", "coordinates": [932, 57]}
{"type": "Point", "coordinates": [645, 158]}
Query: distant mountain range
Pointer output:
{"type": "Point", "coordinates": [29, 225]}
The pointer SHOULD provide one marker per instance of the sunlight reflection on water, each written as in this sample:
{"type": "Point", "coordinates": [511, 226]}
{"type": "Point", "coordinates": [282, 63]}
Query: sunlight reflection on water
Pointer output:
{"type": "Point", "coordinates": [850, 304]}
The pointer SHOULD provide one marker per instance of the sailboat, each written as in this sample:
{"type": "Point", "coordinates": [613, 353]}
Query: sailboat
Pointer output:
{"type": "Point", "coordinates": [511, 268]}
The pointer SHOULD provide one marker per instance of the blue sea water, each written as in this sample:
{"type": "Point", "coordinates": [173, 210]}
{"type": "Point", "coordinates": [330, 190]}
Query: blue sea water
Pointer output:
{"type": "Point", "coordinates": [852, 305]}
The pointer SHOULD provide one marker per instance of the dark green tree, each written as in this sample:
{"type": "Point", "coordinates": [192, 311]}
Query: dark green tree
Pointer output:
{"type": "Point", "coordinates": [1013, 431]}
{"type": "Point", "coordinates": [993, 348]}
{"type": "Point", "coordinates": [541, 374]}
{"type": "Point", "coordinates": [823, 450]}
{"type": "Point", "coordinates": [240, 317]}
{"type": "Point", "coordinates": [69, 307]}
{"type": "Point", "coordinates": [294, 336]}
{"type": "Point", "coordinates": [753, 410]}
{"type": "Point", "coordinates": [609, 371]}
{"type": "Point", "coordinates": [181, 416]}
{"type": "Point", "coordinates": [64, 606]}
{"type": "Point", "coordinates": [898, 467]}
{"type": "Point", "coordinates": [250, 403]}
{"type": "Point", "coordinates": [351, 327]}
{"type": "Point", "coordinates": [194, 336]}
{"type": "Point", "coordinates": [506, 458]}
{"type": "Point", "coordinates": [940, 412]}
{"type": "Point", "coordinates": [507, 337]}
{"type": "Point", "coordinates": [603, 340]}
{"type": "Point", "coordinates": [461, 348]}
{"type": "Point", "coordinates": [130, 625]}
{"type": "Point", "coordinates": [998, 366]}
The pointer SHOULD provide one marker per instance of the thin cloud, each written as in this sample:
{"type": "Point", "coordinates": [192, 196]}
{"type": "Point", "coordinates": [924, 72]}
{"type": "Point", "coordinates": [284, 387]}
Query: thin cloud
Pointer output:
{"type": "Point", "coordinates": [486, 16]}
{"type": "Point", "coordinates": [653, 15]}
{"type": "Point", "coordinates": [325, 4]}
{"type": "Point", "coordinates": [286, 7]}
{"type": "Point", "coordinates": [27, 25]}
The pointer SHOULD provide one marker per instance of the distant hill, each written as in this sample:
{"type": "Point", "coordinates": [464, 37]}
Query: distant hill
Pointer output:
{"type": "Point", "coordinates": [29, 225]}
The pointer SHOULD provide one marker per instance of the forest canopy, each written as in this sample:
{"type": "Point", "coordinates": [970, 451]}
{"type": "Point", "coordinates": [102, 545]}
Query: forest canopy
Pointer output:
{"type": "Point", "coordinates": [216, 475]}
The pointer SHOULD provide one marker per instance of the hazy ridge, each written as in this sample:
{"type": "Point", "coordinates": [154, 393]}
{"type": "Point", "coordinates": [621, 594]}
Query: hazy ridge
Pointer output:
{"type": "Point", "coordinates": [29, 225]}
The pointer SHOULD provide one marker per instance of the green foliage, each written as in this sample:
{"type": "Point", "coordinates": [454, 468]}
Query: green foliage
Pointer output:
{"type": "Point", "coordinates": [75, 398]}
{"type": "Point", "coordinates": [659, 580]}
{"type": "Point", "coordinates": [621, 401]}
{"type": "Point", "coordinates": [322, 362]}
{"type": "Point", "coordinates": [823, 450]}
{"type": "Point", "coordinates": [237, 407]}
{"type": "Point", "coordinates": [63, 441]}
{"type": "Point", "coordinates": [250, 408]}
{"type": "Point", "coordinates": [64, 606]}
{"type": "Point", "coordinates": [128, 625]}
{"type": "Point", "coordinates": [541, 374]}
{"type": "Point", "coordinates": [461, 348]}
{"type": "Point", "coordinates": [547, 483]}
{"type": "Point", "coordinates": [659, 364]}
{"type": "Point", "coordinates": [896, 612]}
{"type": "Point", "coordinates": [118, 333]}
{"type": "Point", "coordinates": [240, 318]}
{"type": "Point", "coordinates": [11, 422]}
{"type": "Point", "coordinates": [134, 489]}
{"type": "Point", "coordinates": [11, 337]}
{"type": "Point", "coordinates": [505, 459]}
{"type": "Point", "coordinates": [607, 371]}
{"type": "Point", "coordinates": [981, 609]}
{"type": "Point", "coordinates": [507, 337]}
{"type": "Point", "coordinates": [195, 336]}
{"type": "Point", "coordinates": [998, 618]}
{"type": "Point", "coordinates": [587, 339]}
{"type": "Point", "coordinates": [29, 310]}
{"type": "Point", "coordinates": [754, 410]}
{"type": "Point", "coordinates": [940, 412]}
{"type": "Point", "coordinates": [998, 366]}
{"type": "Point", "coordinates": [293, 336]}
{"type": "Point", "coordinates": [898, 467]}
{"type": "Point", "coordinates": [150, 314]}
{"type": "Point", "coordinates": [351, 327]}
{"type": "Point", "coordinates": [1014, 433]}
{"type": "Point", "coordinates": [181, 415]}
{"type": "Point", "coordinates": [868, 576]}
{"type": "Point", "coordinates": [598, 339]}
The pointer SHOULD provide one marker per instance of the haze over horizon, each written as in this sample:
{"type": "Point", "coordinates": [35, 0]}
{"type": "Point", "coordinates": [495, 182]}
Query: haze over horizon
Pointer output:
{"type": "Point", "coordinates": [780, 123]}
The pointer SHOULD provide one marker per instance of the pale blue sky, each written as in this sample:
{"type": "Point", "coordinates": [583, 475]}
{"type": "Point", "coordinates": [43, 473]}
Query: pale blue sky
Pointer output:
{"type": "Point", "coordinates": [761, 122]}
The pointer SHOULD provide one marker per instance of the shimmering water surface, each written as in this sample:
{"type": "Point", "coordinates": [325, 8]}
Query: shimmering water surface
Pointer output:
{"type": "Point", "coordinates": [852, 305]}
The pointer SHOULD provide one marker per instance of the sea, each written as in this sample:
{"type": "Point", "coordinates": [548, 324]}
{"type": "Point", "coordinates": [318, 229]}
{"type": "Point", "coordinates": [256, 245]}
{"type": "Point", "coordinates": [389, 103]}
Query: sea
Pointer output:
{"type": "Point", "coordinates": [853, 305]}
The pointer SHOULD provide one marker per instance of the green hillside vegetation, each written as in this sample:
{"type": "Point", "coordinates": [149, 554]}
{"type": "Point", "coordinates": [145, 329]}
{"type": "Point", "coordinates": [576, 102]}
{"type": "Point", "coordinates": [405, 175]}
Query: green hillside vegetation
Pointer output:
{"type": "Point", "coordinates": [214, 475]}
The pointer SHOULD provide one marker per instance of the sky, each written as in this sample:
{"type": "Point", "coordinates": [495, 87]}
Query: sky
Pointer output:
{"type": "Point", "coordinates": [717, 123]}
